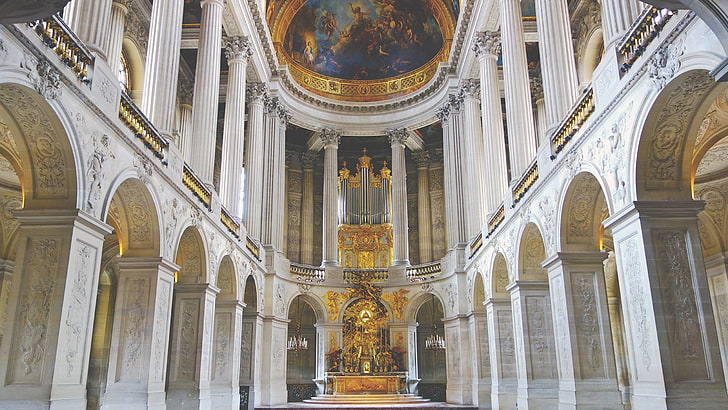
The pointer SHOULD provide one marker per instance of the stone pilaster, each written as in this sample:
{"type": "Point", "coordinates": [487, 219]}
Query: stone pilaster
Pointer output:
{"type": "Point", "coordinates": [581, 317]}
{"type": "Point", "coordinates": [162, 65]}
{"type": "Point", "coordinates": [487, 47]}
{"type": "Point", "coordinates": [478, 330]}
{"type": "Point", "coordinates": [519, 115]}
{"type": "Point", "coordinates": [309, 160]}
{"type": "Point", "coordinates": [533, 334]}
{"type": "Point", "coordinates": [273, 357]}
{"type": "Point", "coordinates": [397, 139]}
{"type": "Point", "coordinates": [138, 356]}
{"type": "Point", "coordinates": [250, 360]}
{"type": "Point", "coordinates": [225, 375]}
{"type": "Point", "coordinates": [459, 360]}
{"type": "Point", "coordinates": [671, 340]}
{"type": "Point", "coordinates": [558, 68]}
{"type": "Point", "coordinates": [254, 158]}
{"type": "Point", "coordinates": [207, 91]}
{"type": "Point", "coordinates": [331, 140]}
{"type": "Point", "coordinates": [47, 345]}
{"type": "Point", "coordinates": [503, 392]}
{"type": "Point", "coordinates": [424, 210]}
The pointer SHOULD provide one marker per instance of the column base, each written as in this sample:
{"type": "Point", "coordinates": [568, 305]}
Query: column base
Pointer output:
{"type": "Point", "coordinates": [225, 397]}
{"type": "Point", "coordinates": [540, 394]}
{"type": "Point", "coordinates": [188, 399]}
{"type": "Point", "coordinates": [504, 395]}
{"type": "Point", "coordinates": [326, 263]}
{"type": "Point", "coordinates": [119, 400]}
{"type": "Point", "coordinates": [590, 395]}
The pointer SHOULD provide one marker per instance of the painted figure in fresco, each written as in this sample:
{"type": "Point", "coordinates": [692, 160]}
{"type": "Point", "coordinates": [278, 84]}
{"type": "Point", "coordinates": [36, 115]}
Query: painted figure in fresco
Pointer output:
{"type": "Point", "coordinates": [308, 54]}
{"type": "Point", "coordinates": [328, 24]}
{"type": "Point", "coordinates": [358, 14]}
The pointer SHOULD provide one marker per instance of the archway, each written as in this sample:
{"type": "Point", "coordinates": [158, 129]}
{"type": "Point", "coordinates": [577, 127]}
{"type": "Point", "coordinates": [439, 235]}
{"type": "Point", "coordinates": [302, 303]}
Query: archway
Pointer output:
{"type": "Point", "coordinates": [301, 364]}
{"type": "Point", "coordinates": [480, 342]}
{"type": "Point", "coordinates": [500, 328]}
{"type": "Point", "coordinates": [250, 345]}
{"type": "Point", "coordinates": [431, 366]}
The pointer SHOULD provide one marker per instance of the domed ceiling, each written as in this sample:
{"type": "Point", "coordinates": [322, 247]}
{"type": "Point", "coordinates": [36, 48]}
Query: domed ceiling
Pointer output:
{"type": "Point", "coordinates": [366, 50]}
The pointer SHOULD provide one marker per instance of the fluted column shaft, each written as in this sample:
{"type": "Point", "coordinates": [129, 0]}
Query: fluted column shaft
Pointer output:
{"type": "Point", "coordinates": [309, 160]}
{"type": "Point", "coordinates": [89, 21]}
{"type": "Point", "coordinates": [237, 51]}
{"type": "Point", "coordinates": [184, 120]}
{"type": "Point", "coordinates": [556, 52]}
{"type": "Point", "coordinates": [331, 140]}
{"type": "Point", "coordinates": [617, 17]}
{"type": "Point", "coordinates": [115, 37]}
{"type": "Point", "coordinates": [475, 155]}
{"type": "Point", "coordinates": [455, 172]}
{"type": "Point", "coordinates": [397, 138]}
{"type": "Point", "coordinates": [518, 100]}
{"type": "Point", "coordinates": [273, 170]}
{"type": "Point", "coordinates": [207, 90]}
{"type": "Point", "coordinates": [162, 66]}
{"type": "Point", "coordinates": [487, 48]}
{"type": "Point", "coordinates": [424, 210]}
{"type": "Point", "coordinates": [254, 160]}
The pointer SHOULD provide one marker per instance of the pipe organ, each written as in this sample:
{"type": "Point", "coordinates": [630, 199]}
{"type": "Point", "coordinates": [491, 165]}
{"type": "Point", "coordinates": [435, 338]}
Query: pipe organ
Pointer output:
{"type": "Point", "coordinates": [365, 214]}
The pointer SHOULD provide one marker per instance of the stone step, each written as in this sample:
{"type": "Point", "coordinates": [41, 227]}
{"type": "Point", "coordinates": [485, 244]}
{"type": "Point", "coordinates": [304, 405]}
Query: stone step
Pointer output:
{"type": "Point", "coordinates": [377, 399]}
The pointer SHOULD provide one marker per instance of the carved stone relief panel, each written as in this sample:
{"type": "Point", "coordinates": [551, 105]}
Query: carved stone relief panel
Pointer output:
{"type": "Point", "coordinates": [588, 327]}
{"type": "Point", "coordinates": [187, 337]}
{"type": "Point", "coordinates": [539, 336]}
{"type": "Point", "coordinates": [483, 347]}
{"type": "Point", "coordinates": [720, 294]}
{"type": "Point", "coordinates": [581, 210]}
{"type": "Point", "coordinates": [507, 345]}
{"type": "Point", "coordinates": [561, 324]}
{"type": "Point", "coordinates": [32, 322]}
{"type": "Point", "coordinates": [246, 341]}
{"type": "Point", "coordinates": [681, 310]}
{"type": "Point", "coordinates": [188, 257]}
{"type": "Point", "coordinates": [222, 348]}
{"type": "Point", "coordinates": [136, 300]}
{"type": "Point", "coordinates": [161, 329]}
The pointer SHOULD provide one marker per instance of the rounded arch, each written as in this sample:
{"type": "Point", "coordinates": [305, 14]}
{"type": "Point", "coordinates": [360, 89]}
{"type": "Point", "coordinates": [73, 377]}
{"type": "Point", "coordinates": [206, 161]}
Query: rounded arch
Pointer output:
{"type": "Point", "coordinates": [250, 294]}
{"type": "Point", "coordinates": [417, 301]}
{"type": "Point", "coordinates": [479, 295]}
{"type": "Point", "coordinates": [315, 303]}
{"type": "Point", "coordinates": [134, 214]}
{"type": "Point", "coordinates": [582, 212]}
{"type": "Point", "coordinates": [591, 54]}
{"type": "Point", "coordinates": [227, 280]}
{"type": "Point", "coordinates": [46, 164]}
{"type": "Point", "coordinates": [664, 169]}
{"type": "Point", "coordinates": [531, 253]}
{"type": "Point", "coordinates": [191, 257]}
{"type": "Point", "coordinates": [135, 65]}
{"type": "Point", "coordinates": [499, 278]}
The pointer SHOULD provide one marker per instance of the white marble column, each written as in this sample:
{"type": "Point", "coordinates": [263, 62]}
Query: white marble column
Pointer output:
{"type": "Point", "coordinates": [254, 156]}
{"type": "Point", "coordinates": [140, 337]}
{"type": "Point", "coordinates": [207, 91]}
{"type": "Point", "coordinates": [459, 361]}
{"type": "Point", "coordinates": [397, 139]}
{"type": "Point", "coordinates": [184, 119]}
{"type": "Point", "coordinates": [424, 209]}
{"type": "Point", "coordinates": [455, 172]}
{"type": "Point", "coordinates": [616, 322]}
{"type": "Point", "coordinates": [519, 114]}
{"type": "Point", "coordinates": [47, 344]}
{"type": "Point", "coordinates": [224, 382]}
{"type": "Point", "coordinates": [533, 333]}
{"type": "Point", "coordinates": [539, 112]}
{"type": "Point", "coordinates": [617, 17]}
{"type": "Point", "coordinates": [237, 51]}
{"type": "Point", "coordinates": [487, 47]}
{"type": "Point", "coordinates": [274, 164]}
{"type": "Point", "coordinates": [587, 375]}
{"type": "Point", "coordinates": [273, 353]}
{"type": "Point", "coordinates": [115, 32]}
{"type": "Point", "coordinates": [190, 348]}
{"type": "Point", "coordinates": [250, 361]}
{"type": "Point", "coordinates": [475, 155]}
{"type": "Point", "coordinates": [162, 66]}
{"type": "Point", "coordinates": [331, 140]}
{"type": "Point", "coordinates": [503, 390]}
{"type": "Point", "coordinates": [89, 20]}
{"type": "Point", "coordinates": [558, 68]}
{"type": "Point", "coordinates": [309, 160]}
{"type": "Point", "coordinates": [673, 353]}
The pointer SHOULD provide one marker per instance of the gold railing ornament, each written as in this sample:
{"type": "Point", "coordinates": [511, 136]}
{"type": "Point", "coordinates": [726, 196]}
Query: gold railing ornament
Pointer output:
{"type": "Point", "coordinates": [306, 273]}
{"type": "Point", "coordinates": [195, 185]}
{"type": "Point", "coordinates": [230, 223]}
{"type": "Point", "coordinates": [420, 273]}
{"type": "Point", "coordinates": [142, 128]}
{"type": "Point", "coordinates": [252, 247]}
{"type": "Point", "coordinates": [526, 182]}
{"type": "Point", "coordinates": [647, 27]}
{"type": "Point", "coordinates": [573, 122]}
{"type": "Point", "coordinates": [60, 38]}
{"type": "Point", "coordinates": [494, 222]}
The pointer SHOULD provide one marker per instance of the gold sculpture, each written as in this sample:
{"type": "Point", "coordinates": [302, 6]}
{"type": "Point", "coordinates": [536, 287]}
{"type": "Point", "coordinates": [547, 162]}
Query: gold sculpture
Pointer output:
{"type": "Point", "coordinates": [397, 301]}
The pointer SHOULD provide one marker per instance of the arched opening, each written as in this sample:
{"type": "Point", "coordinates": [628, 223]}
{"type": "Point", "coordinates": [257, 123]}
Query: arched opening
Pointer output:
{"type": "Point", "coordinates": [248, 345]}
{"type": "Point", "coordinates": [500, 326]}
{"type": "Point", "coordinates": [479, 329]}
{"type": "Point", "coordinates": [301, 364]}
{"type": "Point", "coordinates": [431, 366]}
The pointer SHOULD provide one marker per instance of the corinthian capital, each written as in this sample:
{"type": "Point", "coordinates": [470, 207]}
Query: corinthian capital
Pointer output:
{"type": "Point", "coordinates": [487, 43]}
{"type": "Point", "coordinates": [397, 136]}
{"type": "Point", "coordinates": [330, 136]}
{"type": "Point", "coordinates": [257, 92]}
{"type": "Point", "coordinates": [238, 48]}
{"type": "Point", "coordinates": [470, 88]}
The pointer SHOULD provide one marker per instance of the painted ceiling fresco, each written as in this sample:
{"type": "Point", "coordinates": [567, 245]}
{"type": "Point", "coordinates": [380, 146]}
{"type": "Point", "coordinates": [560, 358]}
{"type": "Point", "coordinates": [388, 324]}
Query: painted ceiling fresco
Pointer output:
{"type": "Point", "coordinates": [362, 43]}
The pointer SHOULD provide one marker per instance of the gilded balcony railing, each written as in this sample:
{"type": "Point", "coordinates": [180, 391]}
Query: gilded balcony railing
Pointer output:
{"type": "Point", "coordinates": [494, 222]}
{"type": "Point", "coordinates": [476, 245]}
{"type": "Point", "coordinates": [573, 122]}
{"type": "Point", "coordinates": [307, 273]}
{"type": "Point", "coordinates": [72, 52]}
{"type": "Point", "coordinates": [252, 247]}
{"type": "Point", "coordinates": [374, 275]}
{"type": "Point", "coordinates": [423, 272]}
{"type": "Point", "coordinates": [142, 127]}
{"type": "Point", "coordinates": [526, 182]}
{"type": "Point", "coordinates": [194, 184]}
{"type": "Point", "coordinates": [230, 223]}
{"type": "Point", "coordinates": [646, 28]}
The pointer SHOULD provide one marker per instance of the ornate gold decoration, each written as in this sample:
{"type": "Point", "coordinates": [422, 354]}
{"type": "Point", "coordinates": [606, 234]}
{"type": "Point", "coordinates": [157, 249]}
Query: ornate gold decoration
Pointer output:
{"type": "Point", "coordinates": [333, 303]}
{"type": "Point", "coordinates": [365, 246]}
{"type": "Point", "coordinates": [397, 301]}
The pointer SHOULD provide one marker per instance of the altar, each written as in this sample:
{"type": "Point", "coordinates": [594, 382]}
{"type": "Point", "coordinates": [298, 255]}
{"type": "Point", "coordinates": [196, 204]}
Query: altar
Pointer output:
{"type": "Point", "coordinates": [343, 383]}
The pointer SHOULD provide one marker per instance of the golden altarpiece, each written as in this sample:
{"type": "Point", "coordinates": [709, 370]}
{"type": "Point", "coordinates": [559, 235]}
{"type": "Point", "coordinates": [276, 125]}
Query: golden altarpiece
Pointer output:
{"type": "Point", "coordinates": [366, 362]}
